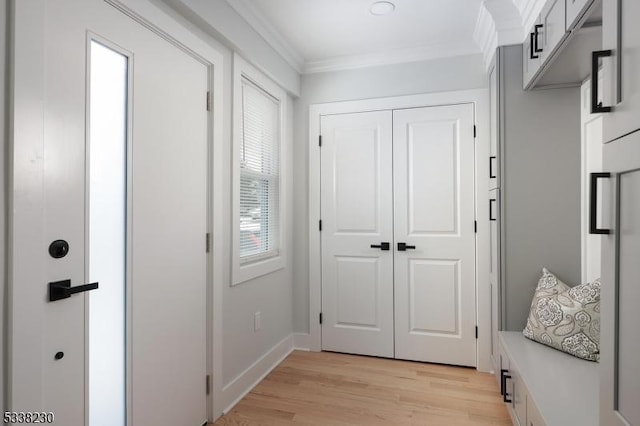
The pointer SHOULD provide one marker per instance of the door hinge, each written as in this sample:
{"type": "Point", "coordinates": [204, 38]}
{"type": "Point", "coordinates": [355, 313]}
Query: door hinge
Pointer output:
{"type": "Point", "coordinates": [476, 331]}
{"type": "Point", "coordinates": [320, 317]}
{"type": "Point", "coordinates": [475, 131]}
{"type": "Point", "coordinates": [207, 243]}
{"type": "Point", "coordinates": [475, 226]}
{"type": "Point", "coordinates": [208, 384]}
{"type": "Point", "coordinates": [209, 101]}
{"type": "Point", "coordinates": [319, 140]}
{"type": "Point", "coordinates": [320, 225]}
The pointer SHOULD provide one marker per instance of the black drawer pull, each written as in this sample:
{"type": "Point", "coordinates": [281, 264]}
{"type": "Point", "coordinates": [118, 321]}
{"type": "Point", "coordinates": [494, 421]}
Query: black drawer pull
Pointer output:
{"type": "Point", "coordinates": [593, 204]}
{"type": "Point", "coordinates": [491, 203]}
{"type": "Point", "coordinates": [532, 54]}
{"type": "Point", "coordinates": [384, 246]}
{"type": "Point", "coordinates": [491, 175]}
{"type": "Point", "coordinates": [503, 387]}
{"type": "Point", "coordinates": [596, 107]}
{"type": "Point", "coordinates": [536, 38]}
{"type": "Point", "coordinates": [506, 395]}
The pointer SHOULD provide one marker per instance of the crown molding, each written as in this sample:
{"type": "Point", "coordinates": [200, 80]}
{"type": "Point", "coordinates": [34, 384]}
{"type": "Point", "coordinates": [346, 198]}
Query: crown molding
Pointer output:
{"type": "Point", "coordinates": [529, 10]}
{"type": "Point", "coordinates": [499, 23]}
{"type": "Point", "coordinates": [485, 34]}
{"type": "Point", "coordinates": [268, 32]}
{"type": "Point", "coordinates": [397, 56]}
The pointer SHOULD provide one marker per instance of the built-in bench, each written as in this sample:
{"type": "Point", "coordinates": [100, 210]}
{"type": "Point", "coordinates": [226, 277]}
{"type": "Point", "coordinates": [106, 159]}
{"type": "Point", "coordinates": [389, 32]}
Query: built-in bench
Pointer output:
{"type": "Point", "coordinates": [543, 386]}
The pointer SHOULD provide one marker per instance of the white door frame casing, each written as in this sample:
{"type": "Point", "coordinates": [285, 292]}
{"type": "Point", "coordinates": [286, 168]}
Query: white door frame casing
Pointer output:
{"type": "Point", "coordinates": [480, 99]}
{"type": "Point", "coordinates": [26, 150]}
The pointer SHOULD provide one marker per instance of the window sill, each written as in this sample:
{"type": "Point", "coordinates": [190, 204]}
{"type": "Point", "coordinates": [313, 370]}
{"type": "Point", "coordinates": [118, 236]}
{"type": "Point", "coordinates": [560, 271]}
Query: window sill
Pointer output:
{"type": "Point", "coordinates": [255, 269]}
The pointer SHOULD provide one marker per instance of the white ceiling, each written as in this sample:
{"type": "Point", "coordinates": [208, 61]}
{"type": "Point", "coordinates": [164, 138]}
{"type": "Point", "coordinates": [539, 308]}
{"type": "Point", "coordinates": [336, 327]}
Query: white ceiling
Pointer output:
{"type": "Point", "coordinates": [322, 35]}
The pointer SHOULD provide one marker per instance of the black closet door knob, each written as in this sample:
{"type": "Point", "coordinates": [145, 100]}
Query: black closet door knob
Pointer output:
{"type": "Point", "coordinates": [405, 247]}
{"type": "Point", "coordinates": [384, 246]}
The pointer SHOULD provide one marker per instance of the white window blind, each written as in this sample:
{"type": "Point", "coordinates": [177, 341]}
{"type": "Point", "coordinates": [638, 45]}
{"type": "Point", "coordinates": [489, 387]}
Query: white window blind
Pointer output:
{"type": "Point", "coordinates": [259, 174]}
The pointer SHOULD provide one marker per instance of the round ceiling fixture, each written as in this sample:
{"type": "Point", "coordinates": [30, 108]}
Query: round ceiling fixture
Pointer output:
{"type": "Point", "coordinates": [381, 8]}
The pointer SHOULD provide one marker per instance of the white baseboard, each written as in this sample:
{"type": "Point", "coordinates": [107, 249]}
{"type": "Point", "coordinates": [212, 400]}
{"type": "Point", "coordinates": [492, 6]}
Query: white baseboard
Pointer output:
{"type": "Point", "coordinates": [301, 341]}
{"type": "Point", "coordinates": [249, 378]}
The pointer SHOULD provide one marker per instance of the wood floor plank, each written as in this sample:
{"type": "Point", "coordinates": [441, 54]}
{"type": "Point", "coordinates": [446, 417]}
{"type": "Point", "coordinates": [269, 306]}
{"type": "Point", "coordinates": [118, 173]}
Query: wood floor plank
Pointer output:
{"type": "Point", "coordinates": [332, 389]}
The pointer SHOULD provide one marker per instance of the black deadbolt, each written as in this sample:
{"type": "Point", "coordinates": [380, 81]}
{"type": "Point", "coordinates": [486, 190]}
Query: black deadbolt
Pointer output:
{"type": "Point", "coordinates": [59, 355]}
{"type": "Point", "coordinates": [58, 249]}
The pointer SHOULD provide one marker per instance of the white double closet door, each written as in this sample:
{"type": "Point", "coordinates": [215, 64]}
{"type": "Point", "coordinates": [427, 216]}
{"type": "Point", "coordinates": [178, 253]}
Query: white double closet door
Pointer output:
{"type": "Point", "coordinates": [398, 237]}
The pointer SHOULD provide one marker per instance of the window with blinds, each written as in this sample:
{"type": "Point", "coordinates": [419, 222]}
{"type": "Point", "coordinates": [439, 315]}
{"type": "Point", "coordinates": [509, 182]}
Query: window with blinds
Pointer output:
{"type": "Point", "coordinates": [259, 174]}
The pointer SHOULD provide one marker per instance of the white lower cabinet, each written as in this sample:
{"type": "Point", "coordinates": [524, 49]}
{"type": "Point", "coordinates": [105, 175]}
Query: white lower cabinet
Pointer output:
{"type": "Point", "coordinates": [542, 386]}
{"type": "Point", "coordinates": [534, 418]}
{"type": "Point", "coordinates": [519, 397]}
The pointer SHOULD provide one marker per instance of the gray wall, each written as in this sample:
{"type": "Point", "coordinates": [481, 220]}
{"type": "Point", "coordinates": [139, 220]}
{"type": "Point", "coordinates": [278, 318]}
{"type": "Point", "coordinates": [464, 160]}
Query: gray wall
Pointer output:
{"type": "Point", "coordinates": [447, 74]}
{"type": "Point", "coordinates": [541, 186]}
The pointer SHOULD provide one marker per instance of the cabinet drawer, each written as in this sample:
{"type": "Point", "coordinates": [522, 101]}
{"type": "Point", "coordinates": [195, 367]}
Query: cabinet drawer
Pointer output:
{"type": "Point", "coordinates": [519, 397]}
{"type": "Point", "coordinates": [534, 418]}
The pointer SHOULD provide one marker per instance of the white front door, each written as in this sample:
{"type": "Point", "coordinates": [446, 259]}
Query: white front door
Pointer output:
{"type": "Point", "coordinates": [398, 239]}
{"type": "Point", "coordinates": [357, 209]}
{"type": "Point", "coordinates": [110, 156]}
{"type": "Point", "coordinates": [433, 162]}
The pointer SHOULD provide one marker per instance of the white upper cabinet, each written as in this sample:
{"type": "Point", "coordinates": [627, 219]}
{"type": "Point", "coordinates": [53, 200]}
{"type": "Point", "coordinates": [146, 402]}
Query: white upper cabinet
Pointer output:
{"type": "Point", "coordinates": [575, 10]}
{"type": "Point", "coordinates": [621, 35]}
{"type": "Point", "coordinates": [552, 28]}
{"type": "Point", "coordinates": [558, 47]}
{"type": "Point", "coordinates": [531, 62]}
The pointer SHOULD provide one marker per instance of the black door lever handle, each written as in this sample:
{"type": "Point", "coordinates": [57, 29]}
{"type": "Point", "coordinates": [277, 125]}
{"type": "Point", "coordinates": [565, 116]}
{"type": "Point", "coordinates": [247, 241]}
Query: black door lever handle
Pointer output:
{"type": "Point", "coordinates": [382, 246]}
{"type": "Point", "coordinates": [63, 290]}
{"type": "Point", "coordinates": [405, 247]}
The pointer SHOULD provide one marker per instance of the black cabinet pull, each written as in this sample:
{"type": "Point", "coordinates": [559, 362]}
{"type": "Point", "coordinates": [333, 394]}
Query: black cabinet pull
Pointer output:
{"type": "Point", "coordinates": [593, 203]}
{"type": "Point", "coordinates": [505, 396]}
{"type": "Point", "coordinates": [491, 218]}
{"type": "Point", "coordinates": [405, 247]}
{"type": "Point", "coordinates": [382, 246]}
{"type": "Point", "coordinates": [491, 175]}
{"type": "Point", "coordinates": [532, 54]}
{"type": "Point", "coordinates": [596, 107]}
{"type": "Point", "coordinates": [536, 37]}
{"type": "Point", "coordinates": [62, 289]}
{"type": "Point", "coordinates": [503, 386]}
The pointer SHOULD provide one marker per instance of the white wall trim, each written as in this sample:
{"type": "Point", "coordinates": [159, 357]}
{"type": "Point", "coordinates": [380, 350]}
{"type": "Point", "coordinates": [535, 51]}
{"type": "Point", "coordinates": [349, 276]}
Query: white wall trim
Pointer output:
{"type": "Point", "coordinates": [529, 10]}
{"type": "Point", "coordinates": [480, 98]}
{"type": "Point", "coordinates": [301, 341]}
{"type": "Point", "coordinates": [485, 34]}
{"type": "Point", "coordinates": [268, 32]}
{"type": "Point", "coordinates": [499, 23]}
{"type": "Point", "coordinates": [233, 392]}
{"type": "Point", "coordinates": [398, 56]}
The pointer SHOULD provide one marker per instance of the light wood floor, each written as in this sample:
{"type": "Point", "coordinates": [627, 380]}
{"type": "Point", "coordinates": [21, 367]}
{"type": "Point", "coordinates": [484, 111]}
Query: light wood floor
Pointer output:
{"type": "Point", "coordinates": [335, 389]}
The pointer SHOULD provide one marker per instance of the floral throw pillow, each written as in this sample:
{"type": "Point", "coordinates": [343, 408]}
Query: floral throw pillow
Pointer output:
{"type": "Point", "coordinates": [566, 318]}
